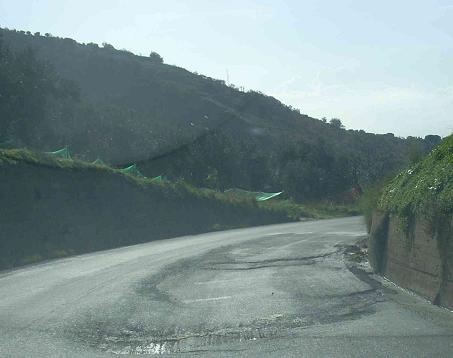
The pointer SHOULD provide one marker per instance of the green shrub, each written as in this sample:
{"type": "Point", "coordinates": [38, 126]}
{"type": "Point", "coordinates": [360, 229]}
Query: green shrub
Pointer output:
{"type": "Point", "coordinates": [369, 200]}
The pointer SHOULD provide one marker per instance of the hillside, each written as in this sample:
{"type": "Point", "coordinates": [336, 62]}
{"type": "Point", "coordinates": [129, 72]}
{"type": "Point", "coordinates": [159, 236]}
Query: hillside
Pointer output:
{"type": "Point", "coordinates": [125, 108]}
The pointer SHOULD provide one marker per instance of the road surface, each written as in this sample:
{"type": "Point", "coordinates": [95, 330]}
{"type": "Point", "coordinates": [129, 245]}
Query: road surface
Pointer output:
{"type": "Point", "coordinates": [281, 290]}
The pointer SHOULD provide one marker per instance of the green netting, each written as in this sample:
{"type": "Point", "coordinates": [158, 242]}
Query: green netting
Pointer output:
{"type": "Point", "coordinates": [132, 170]}
{"type": "Point", "coordinates": [61, 153]}
{"type": "Point", "coordinates": [266, 196]}
{"type": "Point", "coordinates": [257, 195]}
{"type": "Point", "coordinates": [99, 162]}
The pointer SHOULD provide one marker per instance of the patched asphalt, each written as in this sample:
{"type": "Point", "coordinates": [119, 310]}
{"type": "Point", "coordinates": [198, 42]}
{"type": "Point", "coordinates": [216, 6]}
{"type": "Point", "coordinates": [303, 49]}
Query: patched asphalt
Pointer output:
{"type": "Point", "coordinates": [282, 290]}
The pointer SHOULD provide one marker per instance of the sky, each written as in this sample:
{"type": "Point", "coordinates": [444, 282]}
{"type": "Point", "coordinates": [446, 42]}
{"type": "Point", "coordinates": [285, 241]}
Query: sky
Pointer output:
{"type": "Point", "coordinates": [382, 66]}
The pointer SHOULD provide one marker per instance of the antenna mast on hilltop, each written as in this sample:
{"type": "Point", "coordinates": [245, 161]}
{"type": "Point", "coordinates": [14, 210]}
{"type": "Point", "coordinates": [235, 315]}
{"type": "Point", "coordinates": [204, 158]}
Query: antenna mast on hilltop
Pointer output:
{"type": "Point", "coordinates": [227, 77]}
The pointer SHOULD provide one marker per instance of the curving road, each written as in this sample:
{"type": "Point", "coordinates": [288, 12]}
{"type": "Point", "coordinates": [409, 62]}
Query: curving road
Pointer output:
{"type": "Point", "coordinates": [281, 290]}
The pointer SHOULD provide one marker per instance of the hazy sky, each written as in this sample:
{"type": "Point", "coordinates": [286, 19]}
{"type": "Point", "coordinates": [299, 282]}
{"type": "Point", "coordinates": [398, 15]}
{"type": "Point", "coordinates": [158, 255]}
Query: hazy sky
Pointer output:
{"type": "Point", "coordinates": [383, 66]}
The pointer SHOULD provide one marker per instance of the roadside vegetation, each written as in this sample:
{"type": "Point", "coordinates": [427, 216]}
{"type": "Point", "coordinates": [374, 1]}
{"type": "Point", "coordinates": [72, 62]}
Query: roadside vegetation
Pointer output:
{"type": "Point", "coordinates": [369, 200]}
{"type": "Point", "coordinates": [425, 188]}
{"type": "Point", "coordinates": [287, 207]}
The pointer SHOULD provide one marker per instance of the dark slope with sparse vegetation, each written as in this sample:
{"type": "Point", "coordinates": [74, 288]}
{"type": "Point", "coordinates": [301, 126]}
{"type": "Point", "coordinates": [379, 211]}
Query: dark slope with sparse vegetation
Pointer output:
{"type": "Point", "coordinates": [124, 108]}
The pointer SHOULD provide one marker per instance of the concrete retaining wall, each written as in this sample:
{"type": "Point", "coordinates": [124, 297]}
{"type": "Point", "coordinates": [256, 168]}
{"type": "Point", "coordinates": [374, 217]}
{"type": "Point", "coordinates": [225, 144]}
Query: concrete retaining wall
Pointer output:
{"type": "Point", "coordinates": [420, 259]}
{"type": "Point", "coordinates": [50, 212]}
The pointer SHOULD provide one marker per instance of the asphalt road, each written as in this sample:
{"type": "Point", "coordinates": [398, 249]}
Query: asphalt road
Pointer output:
{"type": "Point", "coordinates": [281, 290]}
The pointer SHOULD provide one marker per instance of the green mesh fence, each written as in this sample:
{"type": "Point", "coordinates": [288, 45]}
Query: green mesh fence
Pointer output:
{"type": "Point", "coordinates": [132, 170]}
{"type": "Point", "coordinates": [99, 162]}
{"type": "Point", "coordinates": [61, 153]}
{"type": "Point", "coordinates": [257, 195]}
{"type": "Point", "coordinates": [266, 196]}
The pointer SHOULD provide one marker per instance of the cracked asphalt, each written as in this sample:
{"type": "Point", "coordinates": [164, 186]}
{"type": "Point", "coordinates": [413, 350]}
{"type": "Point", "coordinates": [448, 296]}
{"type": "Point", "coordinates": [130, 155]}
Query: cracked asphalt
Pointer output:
{"type": "Point", "coordinates": [281, 290]}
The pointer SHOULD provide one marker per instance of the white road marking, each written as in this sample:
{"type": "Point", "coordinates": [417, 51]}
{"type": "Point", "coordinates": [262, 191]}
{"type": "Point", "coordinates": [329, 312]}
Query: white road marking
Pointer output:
{"type": "Point", "coordinates": [217, 281]}
{"type": "Point", "coordinates": [289, 233]}
{"type": "Point", "coordinates": [241, 279]}
{"type": "Point", "coordinates": [346, 233]}
{"type": "Point", "coordinates": [208, 299]}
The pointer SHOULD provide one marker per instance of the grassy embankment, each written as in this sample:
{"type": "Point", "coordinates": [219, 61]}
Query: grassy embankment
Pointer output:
{"type": "Point", "coordinates": [424, 189]}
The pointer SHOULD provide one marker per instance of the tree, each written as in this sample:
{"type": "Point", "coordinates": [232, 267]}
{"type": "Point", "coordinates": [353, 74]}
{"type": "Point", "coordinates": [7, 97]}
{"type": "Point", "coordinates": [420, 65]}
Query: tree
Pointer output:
{"type": "Point", "coordinates": [155, 57]}
{"type": "Point", "coordinates": [324, 120]}
{"type": "Point", "coordinates": [415, 150]}
{"type": "Point", "coordinates": [31, 96]}
{"type": "Point", "coordinates": [92, 45]}
{"type": "Point", "coordinates": [433, 140]}
{"type": "Point", "coordinates": [336, 123]}
{"type": "Point", "coordinates": [310, 172]}
{"type": "Point", "coordinates": [107, 46]}
{"type": "Point", "coordinates": [25, 85]}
